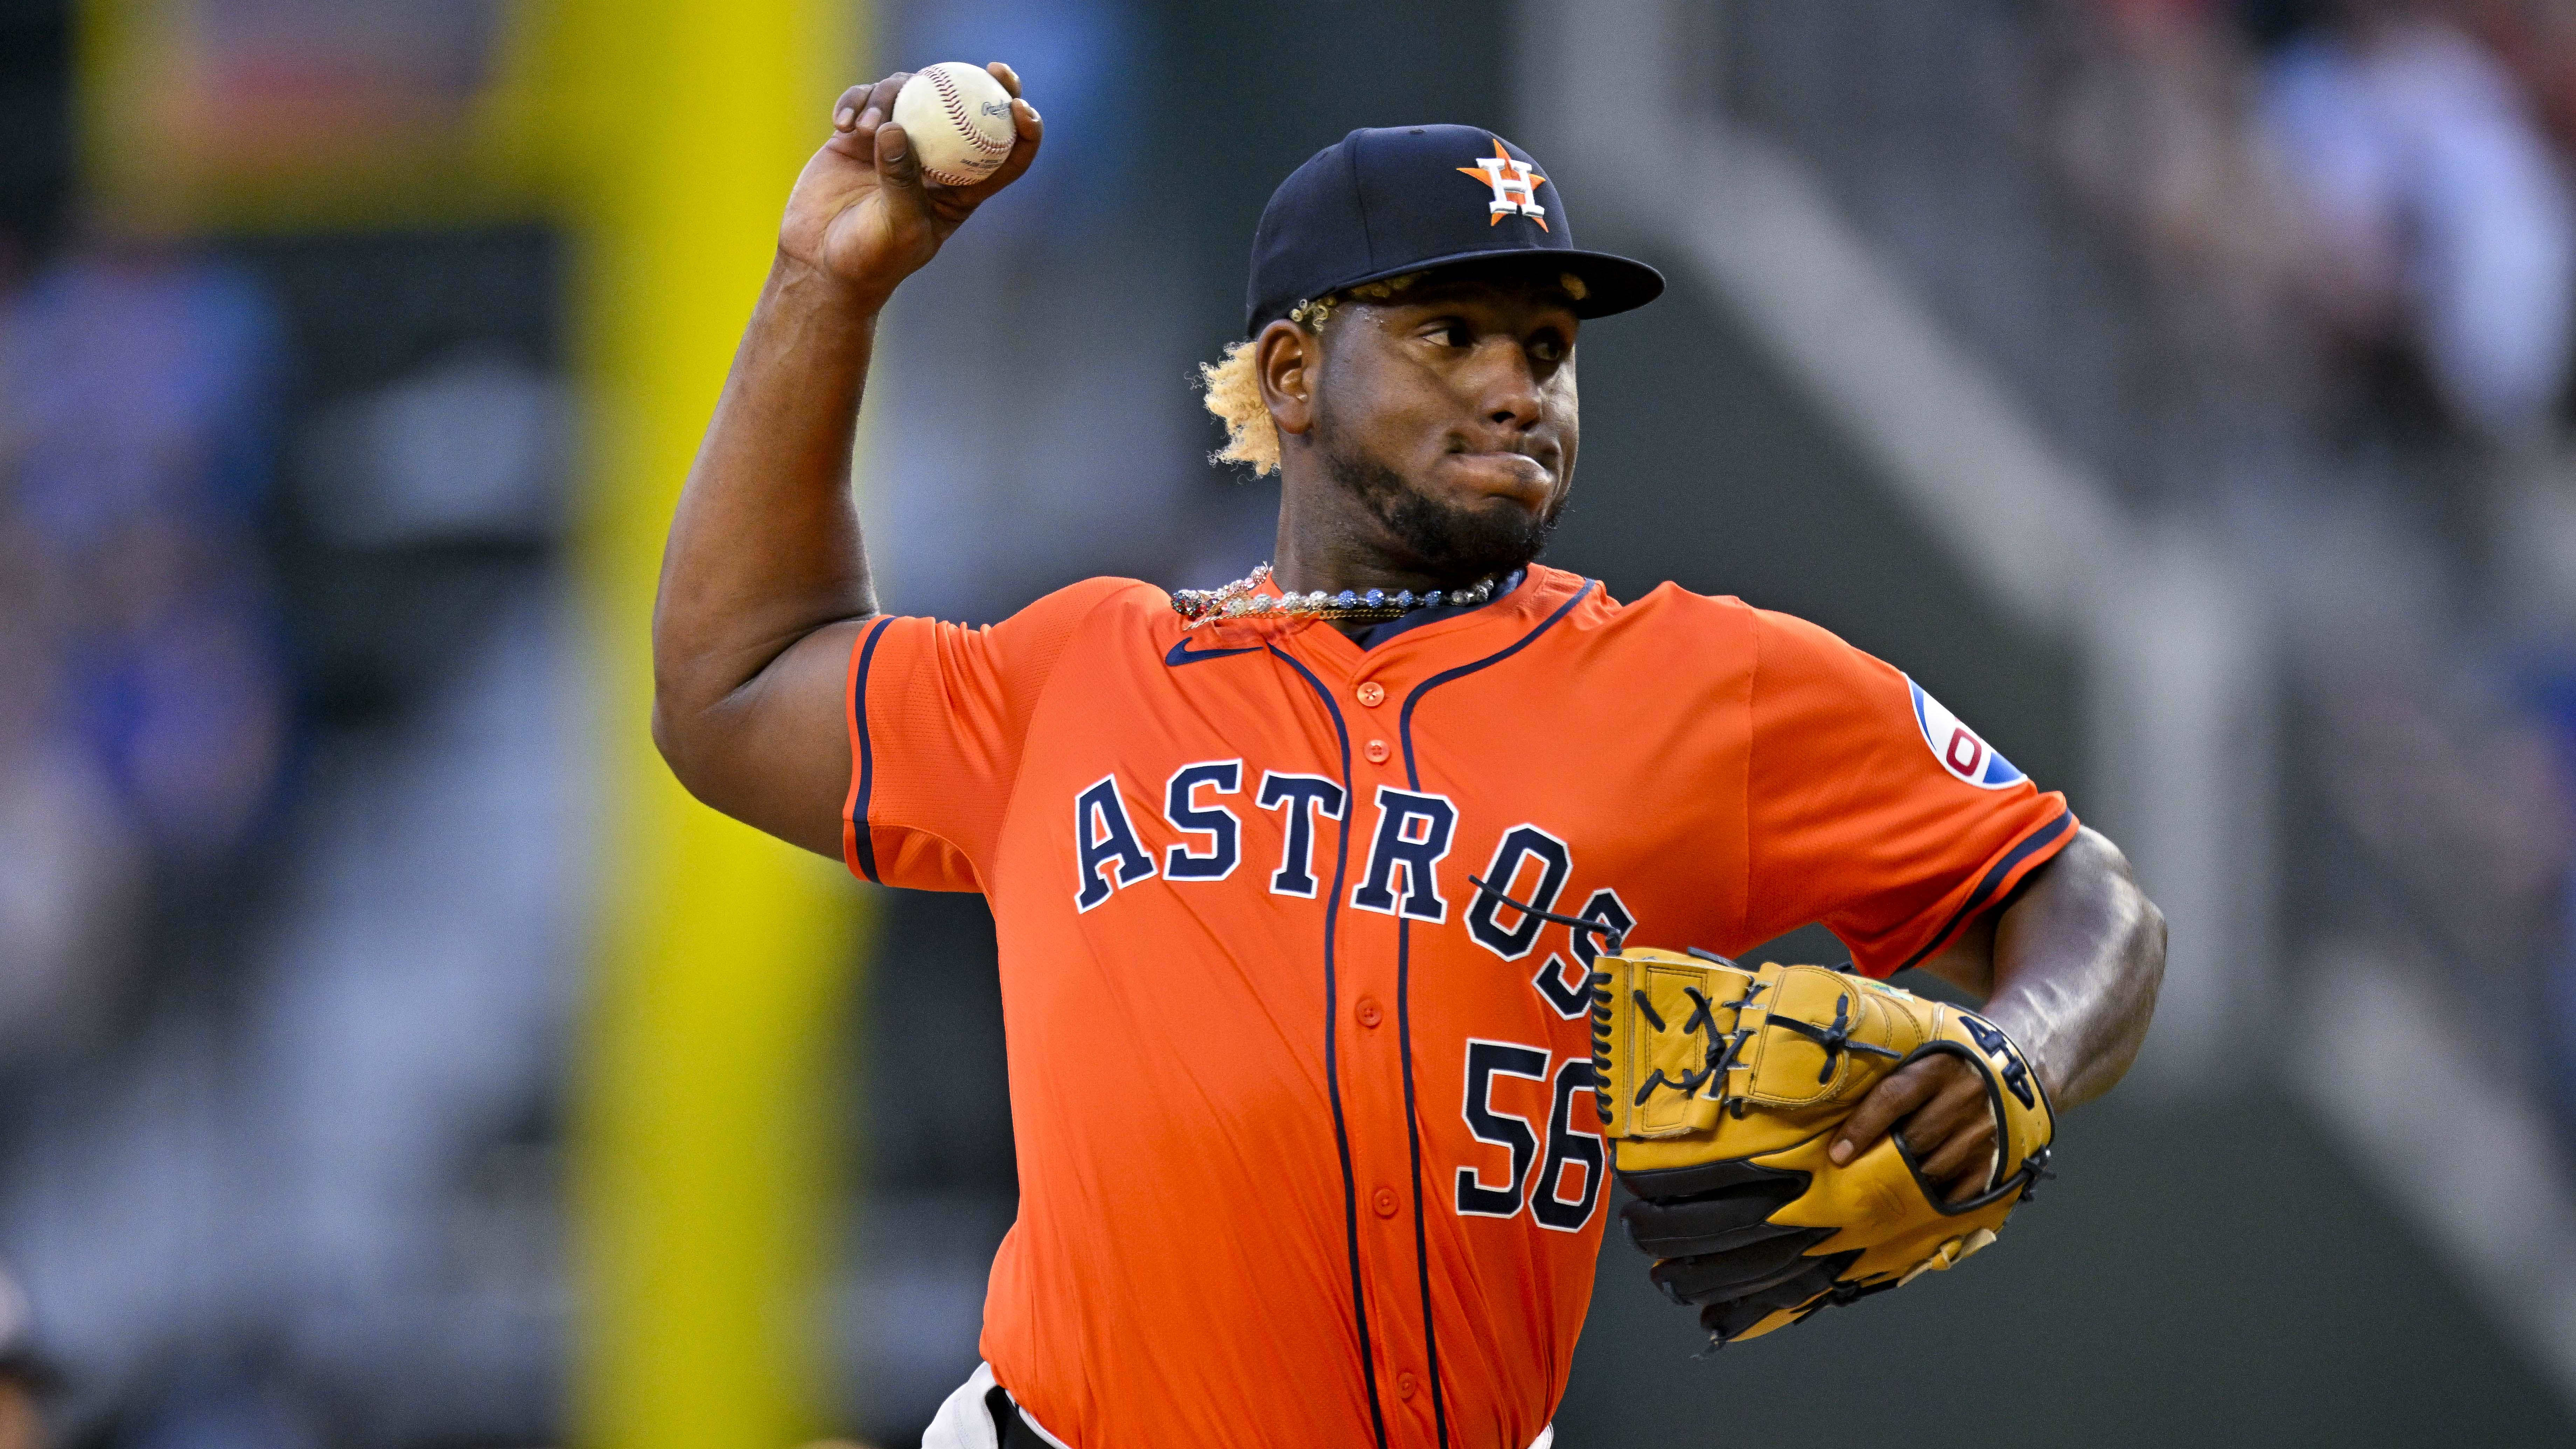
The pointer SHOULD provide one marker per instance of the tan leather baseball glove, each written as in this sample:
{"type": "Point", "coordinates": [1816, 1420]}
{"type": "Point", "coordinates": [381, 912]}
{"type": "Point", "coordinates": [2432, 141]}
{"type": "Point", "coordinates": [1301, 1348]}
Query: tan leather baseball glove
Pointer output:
{"type": "Point", "coordinates": [1720, 1088]}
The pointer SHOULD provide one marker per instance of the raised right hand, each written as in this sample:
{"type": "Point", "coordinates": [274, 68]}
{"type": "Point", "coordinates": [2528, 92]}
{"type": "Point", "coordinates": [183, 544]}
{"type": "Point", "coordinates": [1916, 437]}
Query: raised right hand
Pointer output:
{"type": "Point", "coordinates": [861, 211]}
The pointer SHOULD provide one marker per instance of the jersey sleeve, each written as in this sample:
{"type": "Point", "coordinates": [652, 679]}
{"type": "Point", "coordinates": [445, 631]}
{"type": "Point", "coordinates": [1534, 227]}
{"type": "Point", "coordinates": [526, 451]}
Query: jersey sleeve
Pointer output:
{"type": "Point", "coordinates": [1872, 809]}
{"type": "Point", "coordinates": [938, 715]}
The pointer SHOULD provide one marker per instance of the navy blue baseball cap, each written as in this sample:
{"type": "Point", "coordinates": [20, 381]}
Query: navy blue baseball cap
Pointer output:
{"type": "Point", "coordinates": [1382, 202]}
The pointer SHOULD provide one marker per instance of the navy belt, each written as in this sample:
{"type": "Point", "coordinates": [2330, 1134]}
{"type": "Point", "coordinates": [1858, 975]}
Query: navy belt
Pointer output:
{"type": "Point", "coordinates": [1010, 1429]}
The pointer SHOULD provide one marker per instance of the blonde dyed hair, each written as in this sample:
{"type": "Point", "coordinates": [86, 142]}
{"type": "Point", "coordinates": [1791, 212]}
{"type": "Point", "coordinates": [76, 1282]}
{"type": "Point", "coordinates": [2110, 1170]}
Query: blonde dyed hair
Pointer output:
{"type": "Point", "coordinates": [1233, 390]}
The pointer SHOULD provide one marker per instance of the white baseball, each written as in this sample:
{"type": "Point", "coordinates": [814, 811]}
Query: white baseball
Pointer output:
{"type": "Point", "coordinates": [959, 120]}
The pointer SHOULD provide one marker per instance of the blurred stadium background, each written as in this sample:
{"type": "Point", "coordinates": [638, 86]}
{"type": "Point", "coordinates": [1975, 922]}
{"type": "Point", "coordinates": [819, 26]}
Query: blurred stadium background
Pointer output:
{"type": "Point", "coordinates": [390, 1057]}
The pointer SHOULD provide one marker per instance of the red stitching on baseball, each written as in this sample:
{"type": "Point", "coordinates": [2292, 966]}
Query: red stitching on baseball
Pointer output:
{"type": "Point", "coordinates": [954, 101]}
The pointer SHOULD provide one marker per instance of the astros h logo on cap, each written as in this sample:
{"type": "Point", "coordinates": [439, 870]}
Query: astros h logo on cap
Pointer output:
{"type": "Point", "coordinates": [1515, 187]}
{"type": "Point", "coordinates": [1385, 201]}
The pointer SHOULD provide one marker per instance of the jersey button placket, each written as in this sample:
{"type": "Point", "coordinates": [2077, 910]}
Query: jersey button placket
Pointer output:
{"type": "Point", "coordinates": [1378, 1126]}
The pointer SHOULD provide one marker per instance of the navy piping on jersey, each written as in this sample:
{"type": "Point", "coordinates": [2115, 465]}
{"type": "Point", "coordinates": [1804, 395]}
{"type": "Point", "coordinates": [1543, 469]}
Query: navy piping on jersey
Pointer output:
{"type": "Point", "coordinates": [1404, 994]}
{"type": "Point", "coordinates": [865, 839]}
{"type": "Point", "coordinates": [1413, 1137]}
{"type": "Point", "coordinates": [1332, 1068]}
{"type": "Point", "coordinates": [1181, 653]}
{"type": "Point", "coordinates": [1994, 878]}
{"type": "Point", "coordinates": [1404, 725]}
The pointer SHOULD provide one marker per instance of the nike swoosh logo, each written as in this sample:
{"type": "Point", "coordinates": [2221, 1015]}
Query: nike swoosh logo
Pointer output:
{"type": "Point", "coordinates": [1182, 654]}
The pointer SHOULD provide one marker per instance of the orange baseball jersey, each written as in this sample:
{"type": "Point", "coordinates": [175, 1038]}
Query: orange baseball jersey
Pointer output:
{"type": "Point", "coordinates": [1307, 1145]}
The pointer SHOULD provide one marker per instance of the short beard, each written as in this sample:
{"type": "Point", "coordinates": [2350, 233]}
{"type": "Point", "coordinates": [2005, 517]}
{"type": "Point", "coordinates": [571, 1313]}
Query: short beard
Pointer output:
{"type": "Point", "coordinates": [1454, 546]}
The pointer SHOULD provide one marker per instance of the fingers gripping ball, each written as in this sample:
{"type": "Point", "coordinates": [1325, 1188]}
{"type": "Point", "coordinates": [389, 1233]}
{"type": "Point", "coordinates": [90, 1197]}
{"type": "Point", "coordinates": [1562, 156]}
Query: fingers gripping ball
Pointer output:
{"type": "Point", "coordinates": [958, 119]}
{"type": "Point", "coordinates": [1720, 1089]}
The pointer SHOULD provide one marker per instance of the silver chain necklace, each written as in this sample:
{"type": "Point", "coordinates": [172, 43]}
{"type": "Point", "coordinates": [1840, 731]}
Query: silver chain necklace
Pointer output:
{"type": "Point", "coordinates": [1242, 599]}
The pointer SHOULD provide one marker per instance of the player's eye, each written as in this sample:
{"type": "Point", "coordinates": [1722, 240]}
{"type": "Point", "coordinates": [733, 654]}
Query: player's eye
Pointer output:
{"type": "Point", "coordinates": [1548, 347]}
{"type": "Point", "coordinates": [1450, 332]}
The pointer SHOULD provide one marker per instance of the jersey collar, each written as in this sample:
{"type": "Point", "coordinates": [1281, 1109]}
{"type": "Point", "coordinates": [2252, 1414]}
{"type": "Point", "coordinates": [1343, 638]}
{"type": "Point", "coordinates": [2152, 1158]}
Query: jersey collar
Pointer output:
{"type": "Point", "coordinates": [1538, 589]}
{"type": "Point", "coordinates": [1377, 634]}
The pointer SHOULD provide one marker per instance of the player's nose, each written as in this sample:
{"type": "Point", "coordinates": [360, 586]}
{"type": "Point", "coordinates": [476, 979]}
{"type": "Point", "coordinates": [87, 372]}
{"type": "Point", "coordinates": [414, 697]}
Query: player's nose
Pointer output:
{"type": "Point", "coordinates": [1508, 395]}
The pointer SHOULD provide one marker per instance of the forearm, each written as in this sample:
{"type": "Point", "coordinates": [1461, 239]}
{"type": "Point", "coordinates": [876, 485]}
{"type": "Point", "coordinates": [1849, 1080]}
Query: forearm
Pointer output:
{"type": "Point", "coordinates": [764, 581]}
{"type": "Point", "coordinates": [2078, 955]}
{"type": "Point", "coordinates": [765, 546]}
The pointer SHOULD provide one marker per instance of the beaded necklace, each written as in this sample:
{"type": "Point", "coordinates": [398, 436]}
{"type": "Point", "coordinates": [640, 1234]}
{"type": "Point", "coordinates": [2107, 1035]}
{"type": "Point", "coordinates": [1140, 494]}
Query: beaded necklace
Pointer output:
{"type": "Point", "coordinates": [1242, 599]}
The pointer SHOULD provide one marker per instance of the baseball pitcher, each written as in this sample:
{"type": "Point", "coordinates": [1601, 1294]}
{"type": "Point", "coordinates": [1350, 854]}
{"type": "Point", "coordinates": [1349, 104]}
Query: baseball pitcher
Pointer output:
{"type": "Point", "coordinates": [1360, 919]}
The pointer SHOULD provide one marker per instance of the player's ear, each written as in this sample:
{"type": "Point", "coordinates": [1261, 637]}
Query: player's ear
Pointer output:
{"type": "Point", "coordinates": [1285, 358]}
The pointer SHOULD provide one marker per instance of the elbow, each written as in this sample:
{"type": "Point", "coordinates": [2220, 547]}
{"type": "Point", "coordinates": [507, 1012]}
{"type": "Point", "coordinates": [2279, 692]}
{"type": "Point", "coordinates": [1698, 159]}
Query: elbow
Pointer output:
{"type": "Point", "coordinates": [2139, 981]}
{"type": "Point", "coordinates": [2147, 968]}
{"type": "Point", "coordinates": [671, 716]}
{"type": "Point", "coordinates": [681, 735]}
{"type": "Point", "coordinates": [2142, 951]}
{"type": "Point", "coordinates": [2141, 923]}
{"type": "Point", "coordinates": [693, 687]}
{"type": "Point", "coordinates": [2118, 990]}
{"type": "Point", "coordinates": [2143, 978]}
{"type": "Point", "coordinates": [670, 738]}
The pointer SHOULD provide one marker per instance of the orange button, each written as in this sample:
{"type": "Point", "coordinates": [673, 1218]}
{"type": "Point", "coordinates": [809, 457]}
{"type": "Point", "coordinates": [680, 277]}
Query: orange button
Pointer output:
{"type": "Point", "coordinates": [1376, 751]}
{"type": "Point", "coordinates": [1369, 1013]}
{"type": "Point", "coordinates": [1372, 694]}
{"type": "Point", "coordinates": [1384, 1202]}
{"type": "Point", "coordinates": [1404, 1386]}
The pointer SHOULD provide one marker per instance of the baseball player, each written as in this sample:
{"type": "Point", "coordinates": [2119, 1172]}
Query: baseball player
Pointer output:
{"type": "Point", "coordinates": [1282, 874]}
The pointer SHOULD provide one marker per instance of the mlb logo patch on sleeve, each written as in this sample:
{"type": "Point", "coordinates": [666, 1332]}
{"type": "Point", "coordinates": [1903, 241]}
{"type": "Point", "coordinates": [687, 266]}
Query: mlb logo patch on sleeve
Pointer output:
{"type": "Point", "coordinates": [1961, 750]}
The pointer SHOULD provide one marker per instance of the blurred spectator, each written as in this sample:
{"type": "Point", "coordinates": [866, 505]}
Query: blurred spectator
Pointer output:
{"type": "Point", "coordinates": [2446, 223]}
{"type": "Point", "coordinates": [137, 453]}
{"type": "Point", "coordinates": [2152, 124]}
{"type": "Point", "coordinates": [2536, 40]}
{"type": "Point", "coordinates": [68, 896]}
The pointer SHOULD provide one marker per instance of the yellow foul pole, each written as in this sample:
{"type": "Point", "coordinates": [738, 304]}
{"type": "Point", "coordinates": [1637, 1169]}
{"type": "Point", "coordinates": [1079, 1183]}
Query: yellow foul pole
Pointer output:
{"type": "Point", "coordinates": [701, 1175]}
{"type": "Point", "coordinates": [665, 134]}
